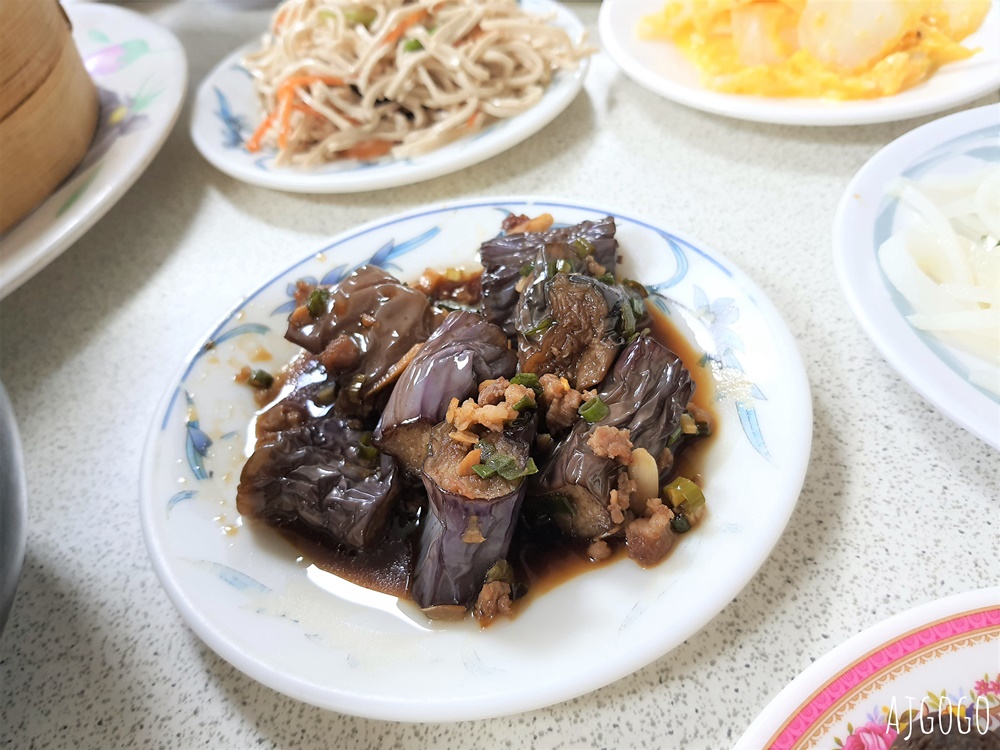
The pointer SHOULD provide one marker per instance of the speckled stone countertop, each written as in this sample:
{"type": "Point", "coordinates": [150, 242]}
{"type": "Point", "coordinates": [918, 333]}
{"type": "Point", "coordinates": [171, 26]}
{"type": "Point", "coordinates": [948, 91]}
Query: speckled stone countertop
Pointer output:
{"type": "Point", "coordinates": [899, 506]}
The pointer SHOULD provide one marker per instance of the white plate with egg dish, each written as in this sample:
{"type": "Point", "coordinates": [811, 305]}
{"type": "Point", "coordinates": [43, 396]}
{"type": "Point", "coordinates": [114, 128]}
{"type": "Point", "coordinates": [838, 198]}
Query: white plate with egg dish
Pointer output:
{"type": "Point", "coordinates": [486, 477]}
{"type": "Point", "coordinates": [769, 63]}
{"type": "Point", "coordinates": [86, 128]}
{"type": "Point", "coordinates": [915, 248]}
{"type": "Point", "coordinates": [333, 99]}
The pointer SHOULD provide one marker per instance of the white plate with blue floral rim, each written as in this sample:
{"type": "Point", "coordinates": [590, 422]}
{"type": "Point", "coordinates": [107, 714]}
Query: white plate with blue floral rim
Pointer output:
{"type": "Point", "coordinates": [958, 144]}
{"type": "Point", "coordinates": [251, 597]}
{"type": "Point", "coordinates": [141, 75]}
{"type": "Point", "coordinates": [227, 111]}
{"type": "Point", "coordinates": [938, 661]}
{"type": "Point", "coordinates": [660, 67]}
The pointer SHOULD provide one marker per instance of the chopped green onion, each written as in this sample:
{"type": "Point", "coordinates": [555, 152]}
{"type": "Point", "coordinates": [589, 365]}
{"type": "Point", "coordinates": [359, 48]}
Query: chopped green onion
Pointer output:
{"type": "Point", "coordinates": [606, 278]}
{"type": "Point", "coordinates": [684, 495]}
{"type": "Point", "coordinates": [638, 307]}
{"type": "Point", "coordinates": [680, 524]}
{"type": "Point", "coordinates": [317, 302]}
{"type": "Point", "coordinates": [453, 306]}
{"type": "Point", "coordinates": [354, 387]}
{"type": "Point", "coordinates": [365, 448]}
{"type": "Point", "coordinates": [526, 269]}
{"type": "Point", "coordinates": [364, 16]}
{"type": "Point", "coordinates": [484, 471]}
{"type": "Point", "coordinates": [594, 410]}
{"type": "Point", "coordinates": [541, 327]}
{"type": "Point", "coordinates": [325, 396]}
{"type": "Point", "coordinates": [636, 286]}
{"type": "Point", "coordinates": [492, 463]}
{"type": "Point", "coordinates": [628, 322]}
{"type": "Point", "coordinates": [261, 379]}
{"type": "Point", "coordinates": [528, 379]}
{"type": "Point", "coordinates": [584, 247]}
{"type": "Point", "coordinates": [674, 437]}
{"type": "Point", "coordinates": [526, 402]}
{"type": "Point", "coordinates": [412, 45]}
{"type": "Point", "coordinates": [501, 571]}
{"type": "Point", "coordinates": [564, 266]}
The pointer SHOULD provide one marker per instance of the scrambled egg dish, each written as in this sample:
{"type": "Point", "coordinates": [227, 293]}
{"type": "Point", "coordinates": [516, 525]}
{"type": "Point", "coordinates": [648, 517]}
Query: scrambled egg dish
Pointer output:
{"type": "Point", "coordinates": [841, 49]}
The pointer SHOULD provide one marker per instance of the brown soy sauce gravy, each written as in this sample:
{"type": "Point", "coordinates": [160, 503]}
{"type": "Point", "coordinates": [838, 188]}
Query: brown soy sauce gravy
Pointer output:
{"type": "Point", "coordinates": [541, 557]}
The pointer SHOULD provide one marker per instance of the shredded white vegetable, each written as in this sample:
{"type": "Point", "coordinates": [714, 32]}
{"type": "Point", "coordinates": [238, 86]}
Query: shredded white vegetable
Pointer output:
{"type": "Point", "coordinates": [947, 264]}
{"type": "Point", "coordinates": [362, 78]}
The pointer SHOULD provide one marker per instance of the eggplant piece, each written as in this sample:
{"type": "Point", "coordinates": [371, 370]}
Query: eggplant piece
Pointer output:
{"type": "Point", "coordinates": [359, 329]}
{"type": "Point", "coordinates": [646, 393]}
{"type": "Point", "coordinates": [470, 521]}
{"type": "Point", "coordinates": [573, 326]}
{"type": "Point", "coordinates": [504, 257]}
{"type": "Point", "coordinates": [312, 396]}
{"type": "Point", "coordinates": [463, 352]}
{"type": "Point", "coordinates": [321, 479]}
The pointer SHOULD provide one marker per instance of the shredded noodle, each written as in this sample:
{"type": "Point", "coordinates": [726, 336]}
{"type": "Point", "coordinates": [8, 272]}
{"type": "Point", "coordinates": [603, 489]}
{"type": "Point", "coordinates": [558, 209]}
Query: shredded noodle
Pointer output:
{"type": "Point", "coordinates": [348, 79]}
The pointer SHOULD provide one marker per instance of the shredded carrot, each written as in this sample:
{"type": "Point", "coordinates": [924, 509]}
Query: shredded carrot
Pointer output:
{"type": "Point", "coordinates": [279, 20]}
{"type": "Point", "coordinates": [365, 150]}
{"type": "Point", "coordinates": [473, 120]}
{"type": "Point", "coordinates": [397, 33]}
{"type": "Point", "coordinates": [285, 106]}
{"type": "Point", "coordinates": [283, 112]}
{"type": "Point", "coordinates": [290, 84]}
{"type": "Point", "coordinates": [253, 145]}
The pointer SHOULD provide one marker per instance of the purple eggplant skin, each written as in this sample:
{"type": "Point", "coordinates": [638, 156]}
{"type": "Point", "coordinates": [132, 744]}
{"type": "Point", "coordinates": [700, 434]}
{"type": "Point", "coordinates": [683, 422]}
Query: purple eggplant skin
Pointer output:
{"type": "Point", "coordinates": [368, 322]}
{"type": "Point", "coordinates": [466, 350]}
{"type": "Point", "coordinates": [646, 392]}
{"type": "Point", "coordinates": [314, 479]}
{"type": "Point", "coordinates": [503, 258]}
{"type": "Point", "coordinates": [574, 326]}
{"type": "Point", "coordinates": [451, 566]}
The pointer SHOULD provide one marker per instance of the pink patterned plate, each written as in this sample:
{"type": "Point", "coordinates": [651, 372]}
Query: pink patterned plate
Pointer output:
{"type": "Point", "coordinates": [941, 659]}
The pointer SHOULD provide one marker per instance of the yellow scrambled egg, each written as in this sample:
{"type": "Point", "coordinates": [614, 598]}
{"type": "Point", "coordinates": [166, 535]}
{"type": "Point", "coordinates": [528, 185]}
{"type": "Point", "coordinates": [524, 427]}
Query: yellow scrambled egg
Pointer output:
{"type": "Point", "coordinates": [841, 49]}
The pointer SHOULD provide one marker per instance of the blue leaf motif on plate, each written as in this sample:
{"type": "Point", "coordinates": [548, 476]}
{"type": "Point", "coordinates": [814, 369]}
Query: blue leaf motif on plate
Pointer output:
{"type": "Point", "coordinates": [179, 498]}
{"type": "Point", "coordinates": [385, 255]}
{"type": "Point", "coordinates": [291, 290]}
{"type": "Point", "coordinates": [716, 317]}
{"type": "Point", "coordinates": [238, 331]}
{"type": "Point", "coordinates": [383, 258]}
{"type": "Point", "coordinates": [679, 258]}
{"type": "Point", "coordinates": [233, 125]}
{"type": "Point", "coordinates": [197, 442]}
{"type": "Point", "coordinates": [236, 579]}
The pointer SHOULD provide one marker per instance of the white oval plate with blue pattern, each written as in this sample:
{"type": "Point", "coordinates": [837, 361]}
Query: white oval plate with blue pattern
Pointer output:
{"type": "Point", "coordinates": [226, 112]}
{"type": "Point", "coordinates": [958, 144]}
{"type": "Point", "coordinates": [249, 595]}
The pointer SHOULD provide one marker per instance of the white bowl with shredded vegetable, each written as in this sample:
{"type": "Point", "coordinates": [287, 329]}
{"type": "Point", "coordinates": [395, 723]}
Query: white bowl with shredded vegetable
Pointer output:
{"type": "Point", "coordinates": [341, 97]}
{"type": "Point", "coordinates": [917, 252]}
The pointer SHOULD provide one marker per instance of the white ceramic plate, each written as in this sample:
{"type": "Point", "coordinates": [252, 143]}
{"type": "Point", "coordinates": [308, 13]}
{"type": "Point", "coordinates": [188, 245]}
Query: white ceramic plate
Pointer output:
{"type": "Point", "coordinates": [13, 507]}
{"type": "Point", "coordinates": [661, 68]}
{"type": "Point", "coordinates": [867, 216]}
{"type": "Point", "coordinates": [310, 636]}
{"type": "Point", "coordinates": [141, 72]}
{"type": "Point", "coordinates": [938, 657]}
{"type": "Point", "coordinates": [227, 111]}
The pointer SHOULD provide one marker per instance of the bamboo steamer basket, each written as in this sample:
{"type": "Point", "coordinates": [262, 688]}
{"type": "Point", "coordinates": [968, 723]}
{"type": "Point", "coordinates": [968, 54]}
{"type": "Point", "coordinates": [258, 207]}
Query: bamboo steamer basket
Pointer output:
{"type": "Point", "coordinates": [32, 34]}
{"type": "Point", "coordinates": [48, 133]}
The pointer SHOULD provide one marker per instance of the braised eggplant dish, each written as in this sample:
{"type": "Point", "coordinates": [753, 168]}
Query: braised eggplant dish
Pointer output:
{"type": "Point", "coordinates": [436, 437]}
